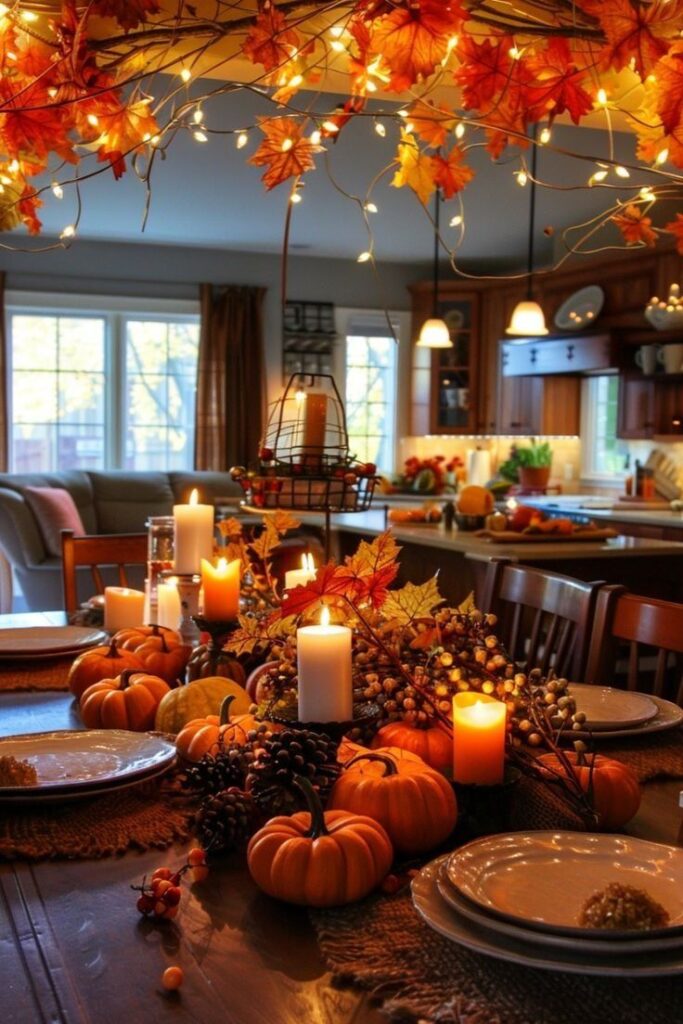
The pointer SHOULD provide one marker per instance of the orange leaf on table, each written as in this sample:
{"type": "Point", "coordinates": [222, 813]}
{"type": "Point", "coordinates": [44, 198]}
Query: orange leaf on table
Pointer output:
{"type": "Point", "coordinates": [270, 41]}
{"type": "Point", "coordinates": [416, 169]}
{"type": "Point", "coordinates": [557, 82]}
{"type": "Point", "coordinates": [285, 152]}
{"type": "Point", "coordinates": [413, 39]}
{"type": "Point", "coordinates": [635, 226]}
{"type": "Point", "coordinates": [452, 174]}
{"type": "Point", "coordinates": [636, 32]}
{"type": "Point", "coordinates": [676, 229]}
{"type": "Point", "coordinates": [431, 123]}
{"type": "Point", "coordinates": [123, 132]}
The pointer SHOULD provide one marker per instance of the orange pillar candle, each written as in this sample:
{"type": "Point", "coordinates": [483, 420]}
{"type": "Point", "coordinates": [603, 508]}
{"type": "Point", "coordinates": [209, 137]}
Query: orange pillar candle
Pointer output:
{"type": "Point", "coordinates": [315, 427]}
{"type": "Point", "coordinates": [478, 739]}
{"type": "Point", "coordinates": [221, 585]}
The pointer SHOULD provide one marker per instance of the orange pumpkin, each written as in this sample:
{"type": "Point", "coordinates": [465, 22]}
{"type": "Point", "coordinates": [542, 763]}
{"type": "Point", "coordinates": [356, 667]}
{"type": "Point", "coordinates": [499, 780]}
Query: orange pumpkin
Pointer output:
{"type": "Point", "coordinates": [205, 735]}
{"type": "Point", "coordinates": [612, 787]}
{"type": "Point", "coordinates": [161, 652]}
{"type": "Point", "coordinates": [132, 636]}
{"type": "Point", "coordinates": [415, 804]}
{"type": "Point", "coordinates": [319, 858]}
{"type": "Point", "coordinates": [129, 701]}
{"type": "Point", "coordinates": [433, 744]}
{"type": "Point", "coordinates": [100, 663]}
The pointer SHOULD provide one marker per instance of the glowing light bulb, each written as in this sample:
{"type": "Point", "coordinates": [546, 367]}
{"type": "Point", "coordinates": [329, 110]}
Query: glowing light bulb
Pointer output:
{"type": "Point", "coordinates": [295, 197]}
{"type": "Point", "coordinates": [621, 172]}
{"type": "Point", "coordinates": [370, 208]}
{"type": "Point", "coordinates": [597, 177]}
{"type": "Point", "coordinates": [515, 53]}
{"type": "Point", "coordinates": [186, 74]}
{"type": "Point", "coordinates": [544, 137]}
{"type": "Point", "coordinates": [410, 126]}
{"type": "Point", "coordinates": [287, 145]}
{"type": "Point", "coordinates": [93, 120]}
{"type": "Point", "coordinates": [57, 190]}
{"type": "Point", "coordinates": [402, 112]}
{"type": "Point", "coordinates": [315, 137]}
{"type": "Point", "coordinates": [649, 196]}
{"type": "Point", "coordinates": [330, 126]}
{"type": "Point", "coordinates": [27, 15]}
{"type": "Point", "coordinates": [459, 130]}
{"type": "Point", "coordinates": [521, 178]}
{"type": "Point", "coordinates": [363, 257]}
{"type": "Point", "coordinates": [370, 86]}
{"type": "Point", "coordinates": [336, 31]}
{"type": "Point", "coordinates": [53, 90]}
{"type": "Point", "coordinates": [295, 81]}
{"type": "Point", "coordinates": [380, 129]}
{"type": "Point", "coordinates": [241, 140]}
{"type": "Point", "coordinates": [662, 157]}
{"type": "Point", "coordinates": [337, 46]}
{"type": "Point", "coordinates": [68, 232]}
{"type": "Point", "coordinates": [602, 97]}
{"type": "Point", "coordinates": [198, 116]}
{"type": "Point", "coordinates": [455, 222]}
{"type": "Point", "coordinates": [200, 136]}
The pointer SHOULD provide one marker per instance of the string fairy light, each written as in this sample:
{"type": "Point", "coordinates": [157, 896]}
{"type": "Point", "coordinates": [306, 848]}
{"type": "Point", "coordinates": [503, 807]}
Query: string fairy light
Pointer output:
{"type": "Point", "coordinates": [241, 140]}
{"type": "Point", "coordinates": [363, 257]}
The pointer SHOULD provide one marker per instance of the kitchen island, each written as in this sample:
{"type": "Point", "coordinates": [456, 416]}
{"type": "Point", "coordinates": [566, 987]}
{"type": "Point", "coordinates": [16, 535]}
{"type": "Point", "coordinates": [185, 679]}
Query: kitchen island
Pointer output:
{"type": "Point", "coordinates": [644, 565]}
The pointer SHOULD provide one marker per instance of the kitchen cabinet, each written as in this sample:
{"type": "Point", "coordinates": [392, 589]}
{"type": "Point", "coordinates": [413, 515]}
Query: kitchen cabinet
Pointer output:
{"type": "Point", "coordinates": [573, 354]}
{"type": "Point", "coordinates": [636, 413]}
{"type": "Point", "coordinates": [539, 405]}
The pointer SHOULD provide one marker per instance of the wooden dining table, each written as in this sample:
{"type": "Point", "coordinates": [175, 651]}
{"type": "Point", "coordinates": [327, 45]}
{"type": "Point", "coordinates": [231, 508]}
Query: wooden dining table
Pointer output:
{"type": "Point", "coordinates": [74, 950]}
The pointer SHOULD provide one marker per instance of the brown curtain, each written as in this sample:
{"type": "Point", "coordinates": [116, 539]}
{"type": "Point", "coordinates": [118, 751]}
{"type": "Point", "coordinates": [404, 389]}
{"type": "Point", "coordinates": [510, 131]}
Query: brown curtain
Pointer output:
{"type": "Point", "coordinates": [4, 426]}
{"type": "Point", "coordinates": [231, 384]}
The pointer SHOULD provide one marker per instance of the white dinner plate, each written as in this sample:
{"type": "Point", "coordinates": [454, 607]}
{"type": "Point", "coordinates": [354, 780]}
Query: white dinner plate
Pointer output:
{"type": "Point", "coordinates": [602, 946]}
{"type": "Point", "coordinates": [543, 879]}
{"type": "Point", "coordinates": [443, 919]}
{"type": "Point", "coordinates": [72, 760]}
{"type": "Point", "coordinates": [48, 641]}
{"type": "Point", "coordinates": [668, 716]}
{"type": "Point", "coordinates": [66, 795]}
{"type": "Point", "coordinates": [607, 708]}
{"type": "Point", "coordinates": [581, 309]}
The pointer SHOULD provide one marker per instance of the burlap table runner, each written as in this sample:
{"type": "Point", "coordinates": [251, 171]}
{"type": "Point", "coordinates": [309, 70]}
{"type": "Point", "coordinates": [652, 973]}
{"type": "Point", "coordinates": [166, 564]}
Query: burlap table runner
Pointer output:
{"type": "Point", "coordinates": [154, 814]}
{"type": "Point", "coordinates": [383, 946]}
{"type": "Point", "coordinates": [651, 756]}
{"type": "Point", "coordinates": [35, 675]}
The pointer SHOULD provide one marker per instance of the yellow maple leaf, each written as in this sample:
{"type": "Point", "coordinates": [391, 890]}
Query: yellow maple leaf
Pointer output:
{"type": "Point", "coordinates": [416, 169]}
{"type": "Point", "coordinates": [412, 602]}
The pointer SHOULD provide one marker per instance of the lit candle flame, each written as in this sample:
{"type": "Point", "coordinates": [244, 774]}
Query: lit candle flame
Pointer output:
{"type": "Point", "coordinates": [222, 564]}
{"type": "Point", "coordinates": [307, 563]}
{"type": "Point", "coordinates": [325, 616]}
{"type": "Point", "coordinates": [194, 497]}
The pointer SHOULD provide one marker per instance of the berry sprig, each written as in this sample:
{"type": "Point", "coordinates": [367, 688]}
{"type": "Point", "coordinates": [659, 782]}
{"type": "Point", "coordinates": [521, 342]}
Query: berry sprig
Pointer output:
{"type": "Point", "coordinates": [160, 898]}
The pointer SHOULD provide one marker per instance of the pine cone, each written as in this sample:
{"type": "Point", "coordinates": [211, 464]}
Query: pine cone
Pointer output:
{"type": "Point", "coordinates": [285, 755]}
{"type": "Point", "coordinates": [215, 772]}
{"type": "Point", "coordinates": [226, 820]}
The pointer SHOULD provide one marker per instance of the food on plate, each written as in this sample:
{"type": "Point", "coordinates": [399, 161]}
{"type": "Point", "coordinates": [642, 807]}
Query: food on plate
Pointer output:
{"type": "Point", "coordinates": [624, 908]}
{"type": "Point", "coordinates": [423, 514]}
{"type": "Point", "coordinates": [17, 773]}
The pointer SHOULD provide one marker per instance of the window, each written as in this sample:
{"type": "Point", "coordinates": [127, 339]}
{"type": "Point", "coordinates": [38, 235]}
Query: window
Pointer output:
{"type": "Point", "coordinates": [603, 453]}
{"type": "Point", "coordinates": [105, 388]}
{"type": "Point", "coordinates": [370, 389]}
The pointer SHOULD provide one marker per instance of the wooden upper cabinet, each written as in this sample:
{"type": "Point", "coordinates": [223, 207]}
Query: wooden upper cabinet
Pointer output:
{"type": "Point", "coordinates": [573, 354]}
{"type": "Point", "coordinates": [636, 413]}
{"type": "Point", "coordinates": [539, 405]}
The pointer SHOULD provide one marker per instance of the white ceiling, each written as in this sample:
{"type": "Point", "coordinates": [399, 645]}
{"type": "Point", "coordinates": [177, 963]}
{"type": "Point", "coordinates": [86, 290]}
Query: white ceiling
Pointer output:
{"type": "Point", "coordinates": [207, 195]}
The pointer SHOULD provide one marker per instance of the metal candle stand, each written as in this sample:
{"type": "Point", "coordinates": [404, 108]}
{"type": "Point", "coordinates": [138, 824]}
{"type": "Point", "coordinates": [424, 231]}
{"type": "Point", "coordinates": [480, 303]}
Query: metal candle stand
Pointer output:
{"type": "Point", "coordinates": [484, 810]}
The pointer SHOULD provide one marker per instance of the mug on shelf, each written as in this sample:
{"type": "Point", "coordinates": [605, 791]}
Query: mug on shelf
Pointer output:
{"type": "Point", "coordinates": [671, 357]}
{"type": "Point", "coordinates": [646, 358]}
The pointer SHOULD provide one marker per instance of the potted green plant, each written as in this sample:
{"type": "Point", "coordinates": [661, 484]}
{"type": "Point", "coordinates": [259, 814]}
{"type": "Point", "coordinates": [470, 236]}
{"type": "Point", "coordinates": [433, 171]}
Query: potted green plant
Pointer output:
{"type": "Point", "coordinates": [529, 465]}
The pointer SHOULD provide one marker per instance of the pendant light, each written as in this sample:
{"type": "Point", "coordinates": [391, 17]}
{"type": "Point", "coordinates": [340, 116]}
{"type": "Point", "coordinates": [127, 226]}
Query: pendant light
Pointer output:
{"type": "Point", "coordinates": [528, 319]}
{"type": "Point", "coordinates": [434, 332]}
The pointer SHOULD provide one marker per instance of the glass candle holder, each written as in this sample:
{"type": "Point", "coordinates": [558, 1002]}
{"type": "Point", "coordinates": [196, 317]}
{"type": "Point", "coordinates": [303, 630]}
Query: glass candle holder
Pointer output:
{"type": "Point", "coordinates": [160, 553]}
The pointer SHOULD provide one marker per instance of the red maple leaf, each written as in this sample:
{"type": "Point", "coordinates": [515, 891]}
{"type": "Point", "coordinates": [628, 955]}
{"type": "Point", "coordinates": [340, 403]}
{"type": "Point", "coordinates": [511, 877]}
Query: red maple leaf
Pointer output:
{"type": "Point", "coordinates": [676, 229]}
{"type": "Point", "coordinates": [431, 123]}
{"type": "Point", "coordinates": [556, 83]}
{"type": "Point", "coordinates": [28, 205]}
{"type": "Point", "coordinates": [124, 131]}
{"type": "Point", "coordinates": [284, 152]}
{"type": "Point", "coordinates": [635, 226]}
{"type": "Point", "coordinates": [331, 582]}
{"type": "Point", "coordinates": [451, 174]}
{"type": "Point", "coordinates": [30, 126]}
{"type": "Point", "coordinates": [128, 13]}
{"type": "Point", "coordinates": [270, 42]}
{"type": "Point", "coordinates": [485, 70]}
{"type": "Point", "coordinates": [636, 31]}
{"type": "Point", "coordinates": [373, 589]}
{"type": "Point", "coordinates": [670, 90]}
{"type": "Point", "coordinates": [414, 38]}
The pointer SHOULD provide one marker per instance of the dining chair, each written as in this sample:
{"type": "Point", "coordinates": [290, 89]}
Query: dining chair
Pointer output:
{"type": "Point", "coordinates": [94, 552]}
{"type": "Point", "coordinates": [637, 641]}
{"type": "Point", "coordinates": [544, 618]}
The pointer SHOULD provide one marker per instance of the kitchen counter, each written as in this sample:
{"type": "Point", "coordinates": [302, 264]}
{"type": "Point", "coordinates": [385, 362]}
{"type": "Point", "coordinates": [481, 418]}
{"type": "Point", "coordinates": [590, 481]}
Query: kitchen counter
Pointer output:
{"type": "Point", "coordinates": [613, 514]}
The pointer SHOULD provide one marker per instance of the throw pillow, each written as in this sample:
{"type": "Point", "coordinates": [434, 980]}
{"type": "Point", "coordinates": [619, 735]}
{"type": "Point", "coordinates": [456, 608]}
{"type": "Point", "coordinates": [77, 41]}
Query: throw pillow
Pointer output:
{"type": "Point", "coordinates": [55, 510]}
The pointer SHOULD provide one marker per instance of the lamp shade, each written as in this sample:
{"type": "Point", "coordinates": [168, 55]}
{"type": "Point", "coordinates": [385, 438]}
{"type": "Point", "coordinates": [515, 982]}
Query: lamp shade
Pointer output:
{"type": "Point", "coordinates": [434, 334]}
{"type": "Point", "coordinates": [527, 320]}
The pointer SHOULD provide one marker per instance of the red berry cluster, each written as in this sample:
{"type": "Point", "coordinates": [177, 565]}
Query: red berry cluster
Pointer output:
{"type": "Point", "coordinates": [159, 899]}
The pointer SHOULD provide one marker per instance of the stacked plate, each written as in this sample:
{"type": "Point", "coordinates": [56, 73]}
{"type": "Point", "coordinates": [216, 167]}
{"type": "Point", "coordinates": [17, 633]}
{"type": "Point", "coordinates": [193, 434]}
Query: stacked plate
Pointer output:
{"type": "Point", "coordinates": [519, 897]}
{"type": "Point", "coordinates": [43, 642]}
{"type": "Point", "coordinates": [614, 714]}
{"type": "Point", "coordinates": [73, 764]}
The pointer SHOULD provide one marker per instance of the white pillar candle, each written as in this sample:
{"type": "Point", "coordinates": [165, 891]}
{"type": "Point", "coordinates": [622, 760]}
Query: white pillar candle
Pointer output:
{"type": "Point", "coordinates": [300, 577]}
{"type": "Point", "coordinates": [123, 608]}
{"type": "Point", "coordinates": [193, 534]}
{"type": "Point", "coordinates": [168, 605]}
{"type": "Point", "coordinates": [324, 670]}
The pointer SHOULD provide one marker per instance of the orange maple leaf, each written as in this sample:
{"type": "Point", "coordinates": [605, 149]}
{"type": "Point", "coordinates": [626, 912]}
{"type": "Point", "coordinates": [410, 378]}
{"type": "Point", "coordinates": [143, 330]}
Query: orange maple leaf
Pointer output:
{"type": "Point", "coordinates": [270, 42]}
{"type": "Point", "coordinates": [676, 229]}
{"type": "Point", "coordinates": [284, 152]}
{"type": "Point", "coordinates": [485, 70]}
{"type": "Point", "coordinates": [413, 39]}
{"type": "Point", "coordinates": [556, 83]}
{"type": "Point", "coordinates": [636, 31]}
{"type": "Point", "coordinates": [451, 174]}
{"type": "Point", "coordinates": [431, 123]}
{"type": "Point", "coordinates": [635, 226]}
{"type": "Point", "coordinates": [416, 169]}
{"type": "Point", "coordinates": [124, 131]}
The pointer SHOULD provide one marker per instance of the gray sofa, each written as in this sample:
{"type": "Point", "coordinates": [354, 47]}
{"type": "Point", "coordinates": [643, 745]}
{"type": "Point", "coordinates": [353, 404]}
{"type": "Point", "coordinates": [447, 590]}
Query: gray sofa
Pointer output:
{"type": "Point", "coordinates": [108, 502]}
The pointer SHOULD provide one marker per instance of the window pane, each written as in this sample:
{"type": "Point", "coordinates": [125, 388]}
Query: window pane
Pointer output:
{"type": "Point", "coordinates": [161, 364]}
{"type": "Point", "coordinates": [58, 392]}
{"type": "Point", "coordinates": [370, 398]}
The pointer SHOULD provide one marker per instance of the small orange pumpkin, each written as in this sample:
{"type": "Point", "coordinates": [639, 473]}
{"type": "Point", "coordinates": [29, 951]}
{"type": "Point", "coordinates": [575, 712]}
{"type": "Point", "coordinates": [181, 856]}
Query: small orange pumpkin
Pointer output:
{"type": "Point", "coordinates": [129, 701]}
{"type": "Point", "coordinates": [161, 652]}
{"type": "Point", "coordinates": [131, 636]}
{"type": "Point", "coordinates": [611, 786]}
{"type": "Point", "coordinates": [415, 804]}
{"type": "Point", "coordinates": [432, 744]}
{"type": "Point", "coordinates": [319, 858]}
{"type": "Point", "coordinates": [100, 663]}
{"type": "Point", "coordinates": [205, 735]}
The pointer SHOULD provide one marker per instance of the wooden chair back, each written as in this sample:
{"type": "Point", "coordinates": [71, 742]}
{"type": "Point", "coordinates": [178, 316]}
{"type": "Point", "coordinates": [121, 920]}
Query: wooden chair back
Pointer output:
{"type": "Point", "coordinates": [647, 634]}
{"type": "Point", "coordinates": [544, 617]}
{"type": "Point", "coordinates": [96, 551]}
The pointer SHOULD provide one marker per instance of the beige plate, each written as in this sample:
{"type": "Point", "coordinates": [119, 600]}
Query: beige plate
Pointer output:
{"type": "Point", "coordinates": [442, 918]}
{"type": "Point", "coordinates": [542, 879]}
{"type": "Point", "coordinates": [48, 641]}
{"type": "Point", "coordinates": [668, 716]}
{"type": "Point", "coordinates": [70, 760]}
{"type": "Point", "coordinates": [606, 708]}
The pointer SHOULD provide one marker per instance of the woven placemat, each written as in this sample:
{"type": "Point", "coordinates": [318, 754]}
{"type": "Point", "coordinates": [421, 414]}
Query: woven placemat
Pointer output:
{"type": "Point", "coordinates": [36, 675]}
{"type": "Point", "coordinates": [153, 814]}
{"type": "Point", "coordinates": [382, 945]}
{"type": "Point", "coordinates": [650, 757]}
